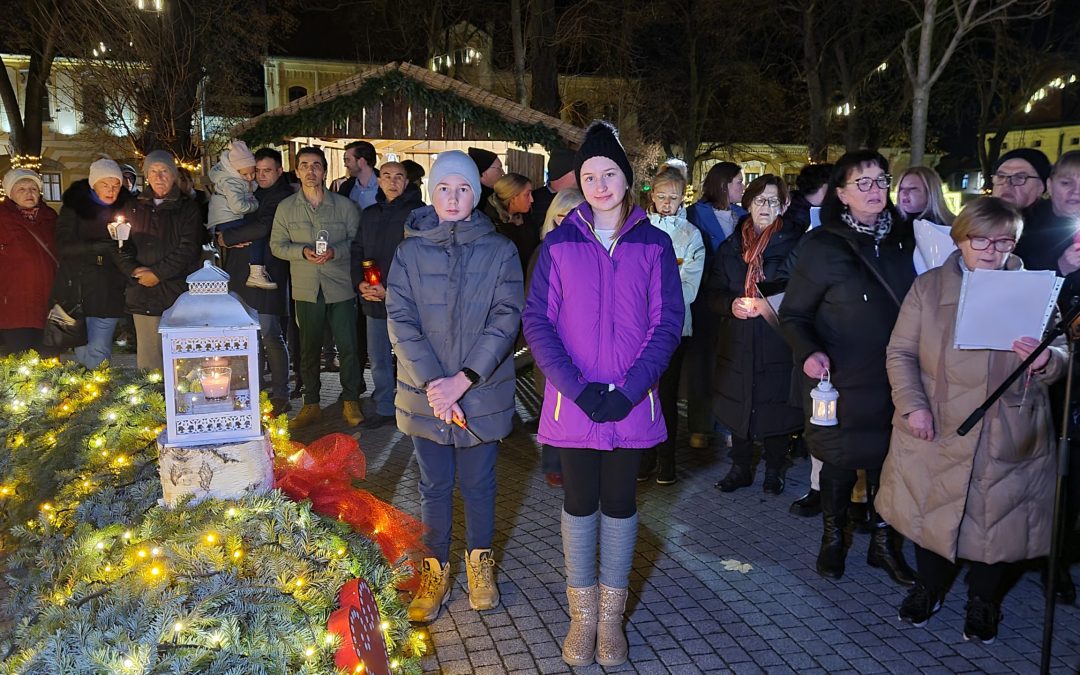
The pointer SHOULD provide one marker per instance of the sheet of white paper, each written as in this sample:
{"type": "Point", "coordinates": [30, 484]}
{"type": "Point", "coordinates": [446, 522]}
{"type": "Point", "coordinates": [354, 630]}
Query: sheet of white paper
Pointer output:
{"type": "Point", "coordinates": [998, 307]}
{"type": "Point", "coordinates": [815, 217]}
{"type": "Point", "coordinates": [933, 244]}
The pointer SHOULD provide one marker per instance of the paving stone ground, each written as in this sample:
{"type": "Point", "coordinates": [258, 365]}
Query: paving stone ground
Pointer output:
{"type": "Point", "coordinates": [689, 612]}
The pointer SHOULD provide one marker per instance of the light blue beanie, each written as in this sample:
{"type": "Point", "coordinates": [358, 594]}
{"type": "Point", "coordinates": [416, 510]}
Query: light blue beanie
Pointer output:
{"type": "Point", "coordinates": [456, 162]}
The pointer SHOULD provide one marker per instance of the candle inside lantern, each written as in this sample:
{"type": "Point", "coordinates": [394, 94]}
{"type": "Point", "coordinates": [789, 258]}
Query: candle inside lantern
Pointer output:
{"type": "Point", "coordinates": [216, 361]}
{"type": "Point", "coordinates": [372, 273]}
{"type": "Point", "coordinates": [215, 382]}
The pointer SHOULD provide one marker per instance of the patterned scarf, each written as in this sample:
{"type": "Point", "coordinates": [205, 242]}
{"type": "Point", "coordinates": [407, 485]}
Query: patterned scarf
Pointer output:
{"type": "Point", "coordinates": [754, 244]}
{"type": "Point", "coordinates": [30, 214]}
{"type": "Point", "coordinates": [879, 230]}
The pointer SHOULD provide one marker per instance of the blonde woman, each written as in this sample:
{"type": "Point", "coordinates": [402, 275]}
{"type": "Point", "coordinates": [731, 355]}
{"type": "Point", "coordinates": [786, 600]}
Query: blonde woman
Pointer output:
{"type": "Point", "coordinates": [562, 204]}
{"type": "Point", "coordinates": [507, 208]}
{"type": "Point", "coordinates": [666, 213]}
{"type": "Point", "coordinates": [921, 196]}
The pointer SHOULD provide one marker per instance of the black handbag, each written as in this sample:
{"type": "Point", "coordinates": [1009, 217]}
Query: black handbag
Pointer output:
{"type": "Point", "coordinates": [65, 330]}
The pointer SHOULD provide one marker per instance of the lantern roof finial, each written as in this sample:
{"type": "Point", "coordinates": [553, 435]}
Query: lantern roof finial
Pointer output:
{"type": "Point", "coordinates": [208, 280]}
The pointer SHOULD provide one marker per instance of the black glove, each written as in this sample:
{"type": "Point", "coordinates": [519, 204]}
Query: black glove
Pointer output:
{"type": "Point", "coordinates": [613, 408]}
{"type": "Point", "coordinates": [591, 397]}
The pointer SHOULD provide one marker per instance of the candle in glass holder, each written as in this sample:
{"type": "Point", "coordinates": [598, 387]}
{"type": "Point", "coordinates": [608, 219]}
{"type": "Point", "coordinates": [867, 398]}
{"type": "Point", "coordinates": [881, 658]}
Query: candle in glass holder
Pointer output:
{"type": "Point", "coordinates": [372, 273]}
{"type": "Point", "coordinates": [215, 382]}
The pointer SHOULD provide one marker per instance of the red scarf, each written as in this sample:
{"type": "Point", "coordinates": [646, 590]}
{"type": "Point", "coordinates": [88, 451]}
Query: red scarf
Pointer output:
{"type": "Point", "coordinates": [754, 244]}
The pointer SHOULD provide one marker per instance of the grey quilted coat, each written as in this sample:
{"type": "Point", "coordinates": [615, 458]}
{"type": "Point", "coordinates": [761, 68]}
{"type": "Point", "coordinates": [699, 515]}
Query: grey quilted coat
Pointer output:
{"type": "Point", "coordinates": [454, 297]}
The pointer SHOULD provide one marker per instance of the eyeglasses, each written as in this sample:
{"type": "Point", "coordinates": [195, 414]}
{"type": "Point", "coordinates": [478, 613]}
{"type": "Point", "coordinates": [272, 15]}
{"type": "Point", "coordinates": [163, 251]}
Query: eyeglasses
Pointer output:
{"type": "Point", "coordinates": [1003, 245]}
{"type": "Point", "coordinates": [866, 182]}
{"type": "Point", "coordinates": [762, 201]}
{"type": "Point", "coordinates": [1015, 179]}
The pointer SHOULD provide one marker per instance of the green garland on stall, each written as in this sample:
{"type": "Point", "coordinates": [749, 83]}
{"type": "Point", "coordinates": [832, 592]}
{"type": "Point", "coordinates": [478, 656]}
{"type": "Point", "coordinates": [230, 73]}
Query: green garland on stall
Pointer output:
{"type": "Point", "coordinates": [275, 129]}
{"type": "Point", "coordinates": [103, 579]}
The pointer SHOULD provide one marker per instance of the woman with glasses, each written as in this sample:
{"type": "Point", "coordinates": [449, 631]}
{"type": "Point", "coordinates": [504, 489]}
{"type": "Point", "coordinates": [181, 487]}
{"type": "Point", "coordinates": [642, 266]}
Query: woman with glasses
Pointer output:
{"type": "Point", "coordinates": [843, 298]}
{"type": "Point", "coordinates": [753, 363]}
{"type": "Point", "coordinates": [666, 213]}
{"type": "Point", "coordinates": [987, 497]}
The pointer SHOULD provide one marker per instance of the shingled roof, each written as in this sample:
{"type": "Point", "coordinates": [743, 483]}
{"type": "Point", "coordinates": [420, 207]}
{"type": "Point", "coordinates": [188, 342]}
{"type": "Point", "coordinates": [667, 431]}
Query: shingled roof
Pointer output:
{"type": "Point", "coordinates": [449, 108]}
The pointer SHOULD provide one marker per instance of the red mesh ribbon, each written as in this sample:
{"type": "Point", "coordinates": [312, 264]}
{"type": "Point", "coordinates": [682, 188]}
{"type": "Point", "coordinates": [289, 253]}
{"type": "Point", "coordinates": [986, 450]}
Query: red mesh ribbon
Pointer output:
{"type": "Point", "coordinates": [324, 473]}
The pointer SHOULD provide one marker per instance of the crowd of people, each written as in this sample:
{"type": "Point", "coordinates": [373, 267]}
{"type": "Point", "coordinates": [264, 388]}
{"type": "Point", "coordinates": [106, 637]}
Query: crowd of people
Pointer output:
{"type": "Point", "coordinates": [745, 299]}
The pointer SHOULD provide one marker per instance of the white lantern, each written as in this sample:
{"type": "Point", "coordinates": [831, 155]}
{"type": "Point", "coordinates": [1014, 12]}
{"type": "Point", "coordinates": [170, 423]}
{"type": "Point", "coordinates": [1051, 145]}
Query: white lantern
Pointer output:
{"type": "Point", "coordinates": [823, 400]}
{"type": "Point", "coordinates": [210, 344]}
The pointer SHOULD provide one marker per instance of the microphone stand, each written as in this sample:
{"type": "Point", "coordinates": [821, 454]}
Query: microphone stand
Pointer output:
{"type": "Point", "coordinates": [1064, 327]}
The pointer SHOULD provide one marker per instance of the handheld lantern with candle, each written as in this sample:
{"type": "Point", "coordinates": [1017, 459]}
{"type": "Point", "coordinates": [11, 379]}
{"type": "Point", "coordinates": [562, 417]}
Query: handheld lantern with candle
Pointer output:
{"type": "Point", "coordinates": [823, 400]}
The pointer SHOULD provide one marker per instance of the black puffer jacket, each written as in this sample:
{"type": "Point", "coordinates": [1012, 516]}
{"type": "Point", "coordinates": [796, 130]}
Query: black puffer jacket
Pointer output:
{"type": "Point", "coordinates": [835, 304]}
{"type": "Point", "coordinates": [257, 226]}
{"type": "Point", "coordinates": [88, 274]}
{"type": "Point", "coordinates": [167, 238]}
{"type": "Point", "coordinates": [382, 227]}
{"type": "Point", "coordinates": [753, 363]}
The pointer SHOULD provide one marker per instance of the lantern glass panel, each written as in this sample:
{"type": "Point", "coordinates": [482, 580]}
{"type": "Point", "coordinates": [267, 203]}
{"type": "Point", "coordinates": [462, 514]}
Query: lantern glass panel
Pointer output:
{"type": "Point", "coordinates": [212, 384]}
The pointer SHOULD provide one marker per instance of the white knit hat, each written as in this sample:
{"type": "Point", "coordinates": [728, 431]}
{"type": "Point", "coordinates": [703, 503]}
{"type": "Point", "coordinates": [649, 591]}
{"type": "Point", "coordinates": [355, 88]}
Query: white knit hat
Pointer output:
{"type": "Point", "coordinates": [105, 167]}
{"type": "Point", "coordinates": [16, 175]}
{"type": "Point", "coordinates": [456, 162]}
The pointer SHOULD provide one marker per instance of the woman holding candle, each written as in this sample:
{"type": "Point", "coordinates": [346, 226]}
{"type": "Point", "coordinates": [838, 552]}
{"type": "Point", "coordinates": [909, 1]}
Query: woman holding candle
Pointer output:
{"type": "Point", "coordinates": [164, 248]}
{"type": "Point", "coordinates": [453, 299]}
{"type": "Point", "coordinates": [88, 274]}
{"type": "Point", "coordinates": [986, 498]}
{"type": "Point", "coordinates": [843, 297]}
{"type": "Point", "coordinates": [27, 261]}
{"type": "Point", "coordinates": [603, 353]}
{"type": "Point", "coordinates": [753, 363]}
{"type": "Point", "coordinates": [666, 213]}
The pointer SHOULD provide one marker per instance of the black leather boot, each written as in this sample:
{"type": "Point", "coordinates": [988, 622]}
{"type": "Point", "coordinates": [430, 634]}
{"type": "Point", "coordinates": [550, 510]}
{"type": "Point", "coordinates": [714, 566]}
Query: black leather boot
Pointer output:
{"type": "Point", "coordinates": [807, 506]}
{"type": "Point", "coordinates": [887, 549]}
{"type": "Point", "coordinates": [834, 538]}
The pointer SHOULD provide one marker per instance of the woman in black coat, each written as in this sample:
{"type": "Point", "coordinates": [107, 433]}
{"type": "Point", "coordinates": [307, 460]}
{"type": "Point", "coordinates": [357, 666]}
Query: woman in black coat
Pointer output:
{"type": "Point", "coordinates": [846, 286]}
{"type": "Point", "coordinates": [88, 276]}
{"type": "Point", "coordinates": [753, 363]}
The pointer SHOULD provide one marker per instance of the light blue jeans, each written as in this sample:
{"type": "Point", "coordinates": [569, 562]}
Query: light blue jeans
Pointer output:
{"type": "Point", "coordinates": [277, 354]}
{"type": "Point", "coordinates": [382, 365]}
{"type": "Point", "coordinates": [99, 335]}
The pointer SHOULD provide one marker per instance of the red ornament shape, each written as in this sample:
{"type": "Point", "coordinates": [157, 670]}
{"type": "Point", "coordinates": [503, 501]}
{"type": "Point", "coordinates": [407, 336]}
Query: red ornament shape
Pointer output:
{"type": "Point", "coordinates": [356, 621]}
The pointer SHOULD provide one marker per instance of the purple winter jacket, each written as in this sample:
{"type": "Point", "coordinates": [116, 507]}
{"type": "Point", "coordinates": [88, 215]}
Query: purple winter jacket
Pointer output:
{"type": "Point", "coordinates": [595, 317]}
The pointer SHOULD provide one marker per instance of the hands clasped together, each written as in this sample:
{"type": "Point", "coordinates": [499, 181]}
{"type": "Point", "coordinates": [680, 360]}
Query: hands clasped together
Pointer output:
{"type": "Point", "coordinates": [443, 395]}
{"type": "Point", "coordinates": [604, 403]}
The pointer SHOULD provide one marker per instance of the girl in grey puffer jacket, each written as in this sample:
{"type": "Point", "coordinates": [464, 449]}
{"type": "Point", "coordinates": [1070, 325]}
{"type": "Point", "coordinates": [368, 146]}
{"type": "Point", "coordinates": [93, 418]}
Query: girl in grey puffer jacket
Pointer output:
{"type": "Point", "coordinates": [233, 198]}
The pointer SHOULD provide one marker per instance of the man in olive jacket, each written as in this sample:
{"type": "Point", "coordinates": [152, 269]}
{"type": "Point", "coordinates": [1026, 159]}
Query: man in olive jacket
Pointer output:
{"type": "Point", "coordinates": [305, 223]}
{"type": "Point", "coordinates": [269, 303]}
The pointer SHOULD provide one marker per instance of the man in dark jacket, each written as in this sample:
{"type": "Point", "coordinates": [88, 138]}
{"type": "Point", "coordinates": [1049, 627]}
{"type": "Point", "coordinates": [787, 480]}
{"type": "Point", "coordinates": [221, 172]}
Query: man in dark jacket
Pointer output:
{"type": "Point", "coordinates": [382, 227]}
{"type": "Point", "coordinates": [270, 304]}
{"type": "Point", "coordinates": [491, 169]}
{"type": "Point", "coordinates": [560, 175]}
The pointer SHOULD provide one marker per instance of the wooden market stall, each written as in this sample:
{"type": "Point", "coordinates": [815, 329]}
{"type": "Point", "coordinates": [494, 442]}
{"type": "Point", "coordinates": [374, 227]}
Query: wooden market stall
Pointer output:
{"type": "Point", "coordinates": [411, 113]}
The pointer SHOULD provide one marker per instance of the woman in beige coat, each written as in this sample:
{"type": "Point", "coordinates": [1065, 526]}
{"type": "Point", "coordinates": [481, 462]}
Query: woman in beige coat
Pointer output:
{"type": "Point", "coordinates": [985, 498]}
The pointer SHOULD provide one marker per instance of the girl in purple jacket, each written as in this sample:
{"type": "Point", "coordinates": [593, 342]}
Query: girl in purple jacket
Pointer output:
{"type": "Point", "coordinates": [604, 315]}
